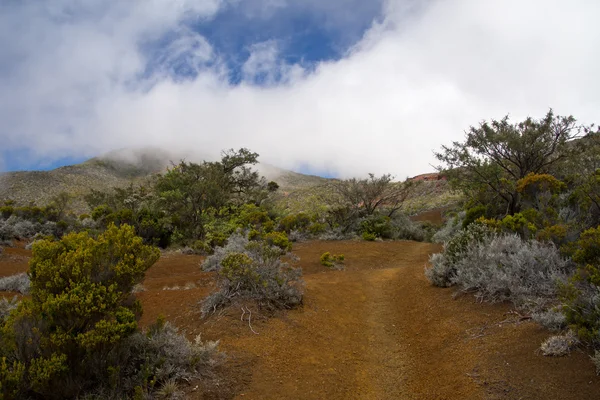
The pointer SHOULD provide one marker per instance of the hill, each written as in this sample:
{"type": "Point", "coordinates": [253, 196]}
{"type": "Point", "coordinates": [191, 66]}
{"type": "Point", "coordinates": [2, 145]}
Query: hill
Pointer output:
{"type": "Point", "coordinates": [116, 169]}
{"type": "Point", "coordinates": [298, 192]}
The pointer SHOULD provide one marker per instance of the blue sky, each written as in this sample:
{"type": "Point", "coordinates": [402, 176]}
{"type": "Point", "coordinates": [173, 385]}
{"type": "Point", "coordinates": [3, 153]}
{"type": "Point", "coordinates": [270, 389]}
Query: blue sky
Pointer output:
{"type": "Point", "coordinates": [343, 87]}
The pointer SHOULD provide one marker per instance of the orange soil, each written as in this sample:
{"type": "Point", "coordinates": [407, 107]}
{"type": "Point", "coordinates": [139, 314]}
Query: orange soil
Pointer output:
{"type": "Point", "coordinates": [376, 330]}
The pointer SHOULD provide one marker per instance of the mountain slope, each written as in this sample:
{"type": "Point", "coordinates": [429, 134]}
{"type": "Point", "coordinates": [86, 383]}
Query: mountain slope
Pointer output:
{"type": "Point", "coordinates": [116, 169]}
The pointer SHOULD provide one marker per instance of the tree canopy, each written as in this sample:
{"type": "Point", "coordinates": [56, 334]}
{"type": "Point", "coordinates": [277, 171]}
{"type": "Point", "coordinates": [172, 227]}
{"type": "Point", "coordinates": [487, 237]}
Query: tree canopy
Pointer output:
{"type": "Point", "coordinates": [495, 155]}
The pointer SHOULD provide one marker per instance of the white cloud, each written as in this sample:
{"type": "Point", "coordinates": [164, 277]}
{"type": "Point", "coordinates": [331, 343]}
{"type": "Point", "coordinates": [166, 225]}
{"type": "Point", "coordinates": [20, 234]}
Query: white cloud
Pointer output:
{"type": "Point", "coordinates": [415, 81]}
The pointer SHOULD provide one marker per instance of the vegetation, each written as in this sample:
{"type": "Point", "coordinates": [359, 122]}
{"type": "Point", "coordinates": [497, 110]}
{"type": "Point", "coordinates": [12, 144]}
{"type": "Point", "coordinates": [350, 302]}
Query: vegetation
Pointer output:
{"type": "Point", "coordinates": [527, 231]}
{"type": "Point", "coordinates": [78, 331]}
{"type": "Point", "coordinates": [530, 229]}
{"type": "Point", "coordinates": [497, 154]}
{"type": "Point", "coordinates": [253, 270]}
{"type": "Point", "coordinates": [332, 261]}
{"type": "Point", "coordinates": [16, 283]}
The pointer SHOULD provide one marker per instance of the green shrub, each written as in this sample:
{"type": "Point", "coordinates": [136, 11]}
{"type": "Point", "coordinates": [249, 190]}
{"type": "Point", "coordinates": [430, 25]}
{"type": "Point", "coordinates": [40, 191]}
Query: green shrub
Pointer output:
{"type": "Point", "coordinates": [582, 294]}
{"type": "Point", "coordinates": [216, 239]}
{"type": "Point", "coordinates": [252, 216]}
{"type": "Point", "coordinates": [316, 228]}
{"type": "Point", "coordinates": [80, 308]}
{"type": "Point", "coordinates": [474, 213]}
{"type": "Point", "coordinates": [294, 222]}
{"type": "Point", "coordinates": [84, 217]}
{"type": "Point", "coordinates": [201, 247]}
{"type": "Point", "coordinates": [254, 235]}
{"type": "Point", "coordinates": [332, 261]}
{"type": "Point", "coordinates": [101, 212]}
{"type": "Point", "coordinates": [278, 239]}
{"type": "Point", "coordinates": [6, 211]}
{"type": "Point", "coordinates": [380, 226]}
{"type": "Point", "coordinates": [369, 236]}
{"type": "Point", "coordinates": [239, 268]}
{"type": "Point", "coordinates": [11, 375]}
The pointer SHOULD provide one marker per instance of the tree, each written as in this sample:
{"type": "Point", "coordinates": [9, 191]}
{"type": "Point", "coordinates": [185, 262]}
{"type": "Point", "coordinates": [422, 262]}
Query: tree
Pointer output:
{"type": "Point", "coordinates": [81, 307]}
{"type": "Point", "coordinates": [497, 154]}
{"type": "Point", "coordinates": [360, 198]}
{"type": "Point", "coordinates": [188, 190]}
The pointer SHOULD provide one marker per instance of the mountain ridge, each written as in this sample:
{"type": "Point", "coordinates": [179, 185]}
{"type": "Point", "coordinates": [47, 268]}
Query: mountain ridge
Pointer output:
{"type": "Point", "coordinates": [118, 169]}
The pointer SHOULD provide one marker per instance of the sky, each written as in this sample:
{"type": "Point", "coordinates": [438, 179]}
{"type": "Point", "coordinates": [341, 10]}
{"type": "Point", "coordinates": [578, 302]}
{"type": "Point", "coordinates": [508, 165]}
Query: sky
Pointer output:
{"type": "Point", "coordinates": [338, 88]}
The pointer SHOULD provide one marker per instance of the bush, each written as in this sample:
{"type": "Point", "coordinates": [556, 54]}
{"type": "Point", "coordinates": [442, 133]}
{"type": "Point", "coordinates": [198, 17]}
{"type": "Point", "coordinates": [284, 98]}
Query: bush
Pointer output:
{"type": "Point", "coordinates": [146, 363]}
{"type": "Point", "coordinates": [316, 228]}
{"type": "Point", "coordinates": [582, 294]}
{"type": "Point", "coordinates": [474, 213]}
{"type": "Point", "coordinates": [450, 229]}
{"type": "Point", "coordinates": [16, 283]}
{"type": "Point", "coordinates": [369, 236]}
{"type": "Point", "coordinates": [6, 306]}
{"type": "Point", "coordinates": [443, 265]}
{"type": "Point", "coordinates": [508, 268]}
{"type": "Point", "coordinates": [377, 226]}
{"type": "Point", "coordinates": [80, 309]}
{"type": "Point", "coordinates": [293, 222]}
{"type": "Point", "coordinates": [596, 360]}
{"type": "Point", "coordinates": [278, 239]}
{"type": "Point", "coordinates": [552, 319]}
{"type": "Point", "coordinates": [559, 345]}
{"type": "Point", "coordinates": [332, 261]}
{"type": "Point", "coordinates": [256, 274]}
{"type": "Point", "coordinates": [404, 228]}
{"type": "Point", "coordinates": [336, 234]}
{"type": "Point", "coordinates": [235, 244]}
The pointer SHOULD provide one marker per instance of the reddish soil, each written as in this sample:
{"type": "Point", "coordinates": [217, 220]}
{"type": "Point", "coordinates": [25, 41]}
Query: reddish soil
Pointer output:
{"type": "Point", "coordinates": [376, 330]}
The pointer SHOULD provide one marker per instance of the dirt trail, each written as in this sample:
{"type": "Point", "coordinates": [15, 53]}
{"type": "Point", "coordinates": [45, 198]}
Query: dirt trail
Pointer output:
{"type": "Point", "coordinates": [376, 330]}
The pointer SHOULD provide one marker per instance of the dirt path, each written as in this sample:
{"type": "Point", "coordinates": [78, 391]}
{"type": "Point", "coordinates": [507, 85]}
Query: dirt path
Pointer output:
{"type": "Point", "coordinates": [376, 330]}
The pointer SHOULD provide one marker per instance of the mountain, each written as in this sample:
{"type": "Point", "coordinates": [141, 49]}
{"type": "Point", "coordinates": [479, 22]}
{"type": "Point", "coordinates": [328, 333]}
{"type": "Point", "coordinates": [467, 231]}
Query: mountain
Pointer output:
{"type": "Point", "coordinates": [118, 169]}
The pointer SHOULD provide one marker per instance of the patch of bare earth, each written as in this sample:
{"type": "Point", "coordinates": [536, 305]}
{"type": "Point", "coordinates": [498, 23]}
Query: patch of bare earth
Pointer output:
{"type": "Point", "coordinates": [376, 330]}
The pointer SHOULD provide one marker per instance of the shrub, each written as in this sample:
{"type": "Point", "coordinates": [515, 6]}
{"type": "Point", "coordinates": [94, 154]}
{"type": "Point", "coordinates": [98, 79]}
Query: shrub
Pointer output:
{"type": "Point", "coordinates": [552, 319]}
{"type": "Point", "coordinates": [378, 226]}
{"type": "Point", "coordinates": [235, 244]}
{"type": "Point", "coordinates": [146, 362]}
{"type": "Point", "coordinates": [6, 306]}
{"type": "Point", "coordinates": [582, 294]}
{"type": "Point", "coordinates": [201, 247]}
{"type": "Point", "coordinates": [559, 345]}
{"type": "Point", "coordinates": [404, 228]}
{"type": "Point", "coordinates": [596, 360]}
{"type": "Point", "coordinates": [473, 213]}
{"type": "Point", "coordinates": [507, 268]}
{"type": "Point", "coordinates": [369, 236]}
{"type": "Point", "coordinates": [6, 211]}
{"type": "Point", "coordinates": [11, 375]}
{"type": "Point", "coordinates": [81, 307]}
{"type": "Point", "coordinates": [257, 274]}
{"type": "Point", "coordinates": [316, 228]}
{"type": "Point", "coordinates": [294, 222]}
{"type": "Point", "coordinates": [332, 261]}
{"type": "Point", "coordinates": [443, 265]}
{"type": "Point", "coordinates": [15, 283]}
{"type": "Point", "coordinates": [278, 239]}
{"type": "Point", "coordinates": [450, 229]}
